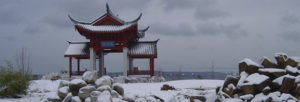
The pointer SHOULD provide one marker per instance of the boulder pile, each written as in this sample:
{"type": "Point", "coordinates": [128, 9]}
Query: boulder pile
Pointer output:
{"type": "Point", "coordinates": [264, 82]}
{"type": "Point", "coordinates": [90, 89]}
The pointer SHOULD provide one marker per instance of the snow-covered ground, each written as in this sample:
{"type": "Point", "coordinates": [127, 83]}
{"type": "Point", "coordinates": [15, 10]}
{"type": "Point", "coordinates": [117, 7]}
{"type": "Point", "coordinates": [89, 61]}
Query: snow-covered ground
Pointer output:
{"type": "Point", "coordinates": [40, 90]}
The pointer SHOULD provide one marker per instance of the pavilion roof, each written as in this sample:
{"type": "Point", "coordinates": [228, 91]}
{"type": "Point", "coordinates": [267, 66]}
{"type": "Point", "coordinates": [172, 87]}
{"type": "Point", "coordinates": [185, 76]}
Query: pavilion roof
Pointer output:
{"type": "Point", "coordinates": [106, 28]}
{"type": "Point", "coordinates": [78, 49]}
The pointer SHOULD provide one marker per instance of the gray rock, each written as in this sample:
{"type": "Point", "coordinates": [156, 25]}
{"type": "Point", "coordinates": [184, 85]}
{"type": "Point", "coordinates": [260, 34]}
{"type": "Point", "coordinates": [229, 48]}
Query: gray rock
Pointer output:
{"type": "Point", "coordinates": [63, 83]}
{"type": "Point", "coordinates": [68, 98]}
{"type": "Point", "coordinates": [84, 92]}
{"type": "Point", "coordinates": [118, 88]}
{"type": "Point", "coordinates": [103, 88]}
{"type": "Point", "coordinates": [104, 80]}
{"type": "Point", "coordinates": [94, 95]}
{"type": "Point", "coordinates": [63, 92]}
{"type": "Point", "coordinates": [75, 85]}
{"type": "Point", "coordinates": [105, 96]}
{"type": "Point", "coordinates": [90, 76]}
{"type": "Point", "coordinates": [75, 99]}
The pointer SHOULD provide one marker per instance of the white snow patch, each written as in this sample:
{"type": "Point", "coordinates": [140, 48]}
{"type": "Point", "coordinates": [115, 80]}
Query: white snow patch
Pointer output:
{"type": "Point", "coordinates": [243, 76]}
{"type": "Point", "coordinates": [271, 70]}
{"type": "Point", "coordinates": [280, 79]}
{"type": "Point", "coordinates": [77, 81]}
{"type": "Point", "coordinates": [291, 69]}
{"type": "Point", "coordinates": [255, 79]}
{"type": "Point", "coordinates": [247, 97]}
{"type": "Point", "coordinates": [250, 62]}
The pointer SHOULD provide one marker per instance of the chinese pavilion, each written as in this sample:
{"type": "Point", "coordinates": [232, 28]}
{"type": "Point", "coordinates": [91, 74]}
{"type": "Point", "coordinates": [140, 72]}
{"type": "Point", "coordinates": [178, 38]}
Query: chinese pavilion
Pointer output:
{"type": "Point", "coordinates": [109, 34]}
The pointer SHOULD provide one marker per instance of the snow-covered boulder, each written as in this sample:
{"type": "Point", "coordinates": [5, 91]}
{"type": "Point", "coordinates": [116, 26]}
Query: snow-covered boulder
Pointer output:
{"type": "Point", "coordinates": [75, 99]}
{"type": "Point", "coordinates": [68, 98]}
{"type": "Point", "coordinates": [84, 92]}
{"type": "Point", "coordinates": [104, 80]}
{"type": "Point", "coordinates": [281, 59]}
{"type": "Point", "coordinates": [292, 61]}
{"type": "Point", "coordinates": [63, 92]}
{"type": "Point", "coordinates": [255, 83]}
{"type": "Point", "coordinates": [118, 88]}
{"type": "Point", "coordinates": [248, 66]}
{"type": "Point", "coordinates": [90, 76]}
{"type": "Point", "coordinates": [272, 72]}
{"type": "Point", "coordinates": [63, 83]}
{"type": "Point", "coordinates": [105, 96]}
{"type": "Point", "coordinates": [75, 85]}
{"type": "Point", "coordinates": [103, 88]}
{"type": "Point", "coordinates": [115, 94]}
{"type": "Point", "coordinates": [267, 63]}
{"type": "Point", "coordinates": [291, 70]}
{"type": "Point", "coordinates": [287, 85]}
{"type": "Point", "coordinates": [94, 95]}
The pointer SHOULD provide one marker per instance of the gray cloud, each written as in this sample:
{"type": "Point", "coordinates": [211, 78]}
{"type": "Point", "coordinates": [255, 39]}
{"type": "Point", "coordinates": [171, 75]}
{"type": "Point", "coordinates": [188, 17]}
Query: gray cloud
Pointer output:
{"type": "Point", "coordinates": [291, 35]}
{"type": "Point", "coordinates": [205, 14]}
{"type": "Point", "coordinates": [233, 31]}
{"type": "Point", "coordinates": [181, 29]}
{"type": "Point", "coordinates": [8, 38]}
{"type": "Point", "coordinates": [204, 9]}
{"type": "Point", "coordinates": [31, 29]}
{"type": "Point", "coordinates": [288, 20]}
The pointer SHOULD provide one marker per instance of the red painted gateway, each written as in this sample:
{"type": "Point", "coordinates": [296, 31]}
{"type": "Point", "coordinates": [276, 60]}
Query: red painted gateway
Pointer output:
{"type": "Point", "coordinates": [109, 34]}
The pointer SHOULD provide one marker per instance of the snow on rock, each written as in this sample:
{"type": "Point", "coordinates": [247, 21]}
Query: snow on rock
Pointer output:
{"type": "Point", "coordinates": [291, 69]}
{"type": "Point", "coordinates": [103, 88]}
{"type": "Point", "coordinates": [118, 88]}
{"type": "Point", "coordinates": [249, 62]}
{"type": "Point", "coordinates": [259, 98]}
{"type": "Point", "coordinates": [232, 100]}
{"type": "Point", "coordinates": [90, 76]}
{"type": "Point", "coordinates": [297, 79]}
{"type": "Point", "coordinates": [280, 79]}
{"type": "Point", "coordinates": [77, 81]}
{"type": "Point", "coordinates": [247, 97]}
{"type": "Point", "coordinates": [76, 99]}
{"type": "Point", "coordinates": [68, 98]}
{"type": "Point", "coordinates": [63, 91]}
{"type": "Point", "coordinates": [94, 95]}
{"type": "Point", "coordinates": [84, 92]}
{"type": "Point", "coordinates": [105, 96]}
{"type": "Point", "coordinates": [280, 54]}
{"type": "Point", "coordinates": [255, 79]}
{"type": "Point", "coordinates": [271, 70]}
{"type": "Point", "coordinates": [63, 83]}
{"type": "Point", "coordinates": [243, 76]}
{"type": "Point", "coordinates": [104, 80]}
{"type": "Point", "coordinates": [297, 59]}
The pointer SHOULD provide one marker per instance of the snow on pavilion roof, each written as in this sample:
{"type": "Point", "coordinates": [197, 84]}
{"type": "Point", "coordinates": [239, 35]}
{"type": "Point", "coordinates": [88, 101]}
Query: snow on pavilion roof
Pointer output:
{"type": "Point", "coordinates": [145, 48]}
{"type": "Point", "coordinates": [110, 28]}
{"type": "Point", "coordinates": [78, 49]}
{"type": "Point", "coordinates": [106, 28]}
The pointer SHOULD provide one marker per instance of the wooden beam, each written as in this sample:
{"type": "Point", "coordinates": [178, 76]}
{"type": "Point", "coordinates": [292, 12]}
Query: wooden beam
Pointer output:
{"type": "Point", "coordinates": [78, 66]}
{"type": "Point", "coordinates": [152, 66]}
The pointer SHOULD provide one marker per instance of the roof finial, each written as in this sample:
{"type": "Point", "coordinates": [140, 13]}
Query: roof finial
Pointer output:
{"type": "Point", "coordinates": [137, 19]}
{"type": "Point", "coordinates": [107, 8]}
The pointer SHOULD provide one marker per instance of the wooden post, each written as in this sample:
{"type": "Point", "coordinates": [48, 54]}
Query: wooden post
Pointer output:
{"type": "Point", "coordinates": [152, 66]}
{"type": "Point", "coordinates": [70, 66]}
{"type": "Point", "coordinates": [125, 60]}
{"type": "Point", "coordinates": [78, 66]}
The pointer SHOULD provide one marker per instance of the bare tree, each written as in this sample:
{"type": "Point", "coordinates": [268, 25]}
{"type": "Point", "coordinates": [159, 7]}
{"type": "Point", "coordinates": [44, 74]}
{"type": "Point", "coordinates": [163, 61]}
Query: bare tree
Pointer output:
{"type": "Point", "coordinates": [23, 62]}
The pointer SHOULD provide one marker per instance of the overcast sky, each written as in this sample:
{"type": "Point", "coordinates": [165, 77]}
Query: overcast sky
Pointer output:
{"type": "Point", "coordinates": [192, 33]}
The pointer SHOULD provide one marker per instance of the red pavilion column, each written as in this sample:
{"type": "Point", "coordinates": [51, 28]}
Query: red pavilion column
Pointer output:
{"type": "Point", "coordinates": [78, 66]}
{"type": "Point", "coordinates": [70, 66]}
{"type": "Point", "coordinates": [152, 66]}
